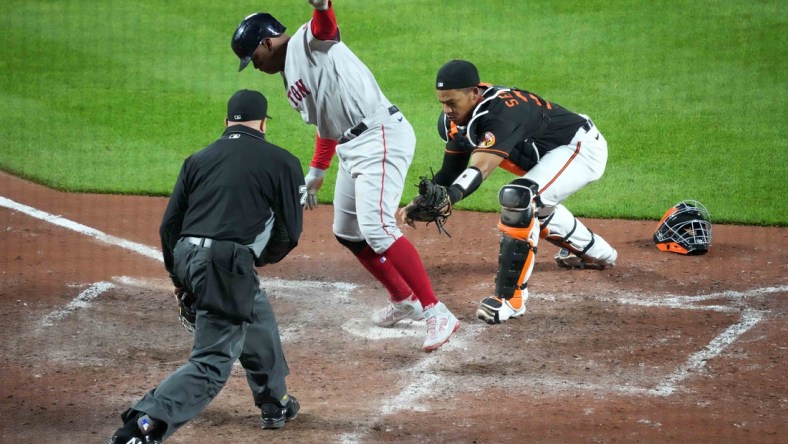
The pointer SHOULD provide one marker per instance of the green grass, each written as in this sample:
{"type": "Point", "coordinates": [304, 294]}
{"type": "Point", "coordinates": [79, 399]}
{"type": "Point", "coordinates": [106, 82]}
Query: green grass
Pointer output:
{"type": "Point", "coordinates": [111, 96]}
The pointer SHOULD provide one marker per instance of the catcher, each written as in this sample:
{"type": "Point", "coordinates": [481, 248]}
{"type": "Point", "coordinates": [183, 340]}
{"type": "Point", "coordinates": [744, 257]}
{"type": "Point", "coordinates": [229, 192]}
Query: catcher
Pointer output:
{"type": "Point", "coordinates": [554, 153]}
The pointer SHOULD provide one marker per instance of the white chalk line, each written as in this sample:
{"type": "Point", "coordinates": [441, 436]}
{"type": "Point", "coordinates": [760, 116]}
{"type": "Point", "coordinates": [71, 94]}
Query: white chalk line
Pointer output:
{"type": "Point", "coordinates": [81, 301]}
{"type": "Point", "coordinates": [696, 361]}
{"type": "Point", "coordinates": [675, 301]}
{"type": "Point", "coordinates": [413, 392]}
{"type": "Point", "coordinates": [408, 398]}
{"type": "Point", "coordinates": [689, 302]}
{"type": "Point", "coordinates": [332, 292]}
{"type": "Point", "coordinates": [82, 229]}
{"type": "Point", "coordinates": [340, 291]}
{"type": "Point", "coordinates": [669, 385]}
{"type": "Point", "coordinates": [150, 283]}
{"type": "Point", "coordinates": [428, 381]}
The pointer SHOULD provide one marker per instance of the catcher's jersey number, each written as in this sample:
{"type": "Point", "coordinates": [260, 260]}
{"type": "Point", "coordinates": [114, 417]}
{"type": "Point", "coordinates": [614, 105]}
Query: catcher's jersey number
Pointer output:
{"type": "Point", "coordinates": [510, 101]}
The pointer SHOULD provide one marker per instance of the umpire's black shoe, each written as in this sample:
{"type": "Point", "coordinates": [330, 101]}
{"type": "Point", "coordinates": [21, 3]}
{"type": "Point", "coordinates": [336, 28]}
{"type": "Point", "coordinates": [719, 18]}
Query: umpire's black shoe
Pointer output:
{"type": "Point", "coordinates": [121, 437]}
{"type": "Point", "coordinates": [136, 425]}
{"type": "Point", "coordinates": [274, 416]}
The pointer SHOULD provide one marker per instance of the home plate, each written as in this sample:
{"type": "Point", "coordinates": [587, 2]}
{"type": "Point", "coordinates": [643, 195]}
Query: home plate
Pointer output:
{"type": "Point", "coordinates": [364, 328]}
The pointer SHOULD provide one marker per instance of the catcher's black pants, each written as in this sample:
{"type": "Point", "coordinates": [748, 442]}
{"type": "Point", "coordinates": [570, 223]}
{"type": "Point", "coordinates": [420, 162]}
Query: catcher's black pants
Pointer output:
{"type": "Point", "coordinates": [218, 342]}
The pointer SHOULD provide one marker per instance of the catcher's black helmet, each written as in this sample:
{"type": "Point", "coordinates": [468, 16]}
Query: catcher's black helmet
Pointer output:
{"type": "Point", "coordinates": [685, 228]}
{"type": "Point", "coordinates": [251, 32]}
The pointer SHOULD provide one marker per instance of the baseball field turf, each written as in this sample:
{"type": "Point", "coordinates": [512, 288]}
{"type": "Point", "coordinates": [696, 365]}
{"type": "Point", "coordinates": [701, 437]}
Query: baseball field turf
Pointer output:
{"type": "Point", "coordinates": [111, 96]}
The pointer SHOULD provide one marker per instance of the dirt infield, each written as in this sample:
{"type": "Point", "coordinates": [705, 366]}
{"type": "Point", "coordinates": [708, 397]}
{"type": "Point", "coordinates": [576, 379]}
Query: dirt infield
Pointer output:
{"type": "Point", "coordinates": [663, 348]}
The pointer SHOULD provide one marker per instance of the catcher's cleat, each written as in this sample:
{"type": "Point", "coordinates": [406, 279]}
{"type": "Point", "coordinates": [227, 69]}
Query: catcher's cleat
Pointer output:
{"type": "Point", "coordinates": [567, 259]}
{"type": "Point", "coordinates": [394, 312]}
{"type": "Point", "coordinates": [494, 310]}
{"type": "Point", "coordinates": [274, 416]}
{"type": "Point", "coordinates": [441, 324]}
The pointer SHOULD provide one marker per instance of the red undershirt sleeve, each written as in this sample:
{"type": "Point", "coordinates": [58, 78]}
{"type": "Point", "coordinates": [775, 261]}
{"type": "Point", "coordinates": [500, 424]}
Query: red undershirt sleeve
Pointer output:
{"type": "Point", "coordinates": [324, 27]}
{"type": "Point", "coordinates": [324, 24]}
{"type": "Point", "coordinates": [324, 152]}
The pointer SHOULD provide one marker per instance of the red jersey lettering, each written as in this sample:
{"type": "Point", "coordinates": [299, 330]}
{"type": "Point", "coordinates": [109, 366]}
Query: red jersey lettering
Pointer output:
{"type": "Point", "coordinates": [297, 92]}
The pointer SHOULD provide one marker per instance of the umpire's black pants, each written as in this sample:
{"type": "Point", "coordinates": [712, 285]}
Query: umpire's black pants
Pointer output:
{"type": "Point", "coordinates": [218, 343]}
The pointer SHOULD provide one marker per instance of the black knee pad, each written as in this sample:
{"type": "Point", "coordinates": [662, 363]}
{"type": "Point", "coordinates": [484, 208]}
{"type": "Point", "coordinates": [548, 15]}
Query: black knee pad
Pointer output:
{"type": "Point", "coordinates": [534, 188]}
{"type": "Point", "coordinates": [515, 199]}
{"type": "Point", "coordinates": [356, 247]}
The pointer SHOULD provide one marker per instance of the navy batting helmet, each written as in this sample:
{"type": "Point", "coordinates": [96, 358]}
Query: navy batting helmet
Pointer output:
{"type": "Point", "coordinates": [251, 32]}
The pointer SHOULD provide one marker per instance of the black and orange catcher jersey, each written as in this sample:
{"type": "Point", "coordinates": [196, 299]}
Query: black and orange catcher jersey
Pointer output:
{"type": "Point", "coordinates": [515, 124]}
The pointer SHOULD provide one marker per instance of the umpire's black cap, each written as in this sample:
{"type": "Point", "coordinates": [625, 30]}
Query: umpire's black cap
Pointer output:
{"type": "Point", "coordinates": [251, 32]}
{"type": "Point", "coordinates": [247, 105]}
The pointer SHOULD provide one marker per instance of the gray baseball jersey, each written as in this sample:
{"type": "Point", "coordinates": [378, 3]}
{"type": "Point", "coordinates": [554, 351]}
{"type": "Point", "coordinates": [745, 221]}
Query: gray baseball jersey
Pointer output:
{"type": "Point", "coordinates": [328, 84]}
{"type": "Point", "coordinates": [335, 91]}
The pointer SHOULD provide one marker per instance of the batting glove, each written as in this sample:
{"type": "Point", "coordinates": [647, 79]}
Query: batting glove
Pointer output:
{"type": "Point", "coordinates": [314, 180]}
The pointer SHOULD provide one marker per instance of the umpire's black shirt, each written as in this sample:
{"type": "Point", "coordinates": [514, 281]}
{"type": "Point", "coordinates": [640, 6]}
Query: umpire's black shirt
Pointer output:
{"type": "Point", "coordinates": [231, 189]}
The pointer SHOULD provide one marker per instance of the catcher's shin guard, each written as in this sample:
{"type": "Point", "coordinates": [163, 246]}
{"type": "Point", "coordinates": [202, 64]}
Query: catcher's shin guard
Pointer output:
{"type": "Point", "coordinates": [516, 256]}
{"type": "Point", "coordinates": [515, 264]}
{"type": "Point", "coordinates": [519, 240]}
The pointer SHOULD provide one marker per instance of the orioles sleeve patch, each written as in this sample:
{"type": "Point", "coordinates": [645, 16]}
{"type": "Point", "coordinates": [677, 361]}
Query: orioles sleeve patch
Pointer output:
{"type": "Point", "coordinates": [487, 141]}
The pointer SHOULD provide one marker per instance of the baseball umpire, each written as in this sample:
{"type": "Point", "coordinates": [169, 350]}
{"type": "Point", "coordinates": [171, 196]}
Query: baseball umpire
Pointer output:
{"type": "Point", "coordinates": [335, 91]}
{"type": "Point", "coordinates": [554, 153]}
{"type": "Point", "coordinates": [236, 204]}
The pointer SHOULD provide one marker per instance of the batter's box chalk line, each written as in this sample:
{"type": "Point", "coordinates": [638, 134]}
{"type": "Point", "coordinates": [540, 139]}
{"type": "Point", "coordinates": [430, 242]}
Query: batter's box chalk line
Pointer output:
{"type": "Point", "coordinates": [160, 284]}
{"type": "Point", "coordinates": [83, 300]}
{"type": "Point", "coordinates": [695, 362]}
{"type": "Point", "coordinates": [330, 292]}
{"type": "Point", "coordinates": [737, 298]}
{"type": "Point", "coordinates": [668, 385]}
{"type": "Point", "coordinates": [412, 396]}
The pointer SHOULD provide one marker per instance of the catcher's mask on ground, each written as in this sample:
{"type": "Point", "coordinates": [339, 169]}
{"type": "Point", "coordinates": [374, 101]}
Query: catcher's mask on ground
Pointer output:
{"type": "Point", "coordinates": [685, 228]}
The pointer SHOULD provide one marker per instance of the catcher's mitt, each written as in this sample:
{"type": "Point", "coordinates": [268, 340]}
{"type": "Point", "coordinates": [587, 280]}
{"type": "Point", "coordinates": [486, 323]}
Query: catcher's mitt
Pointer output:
{"type": "Point", "coordinates": [187, 314]}
{"type": "Point", "coordinates": [431, 205]}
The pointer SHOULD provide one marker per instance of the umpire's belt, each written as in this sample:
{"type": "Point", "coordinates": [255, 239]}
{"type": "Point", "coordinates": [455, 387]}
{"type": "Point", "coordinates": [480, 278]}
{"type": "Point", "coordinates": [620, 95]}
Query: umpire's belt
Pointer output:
{"type": "Point", "coordinates": [199, 241]}
{"type": "Point", "coordinates": [357, 130]}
